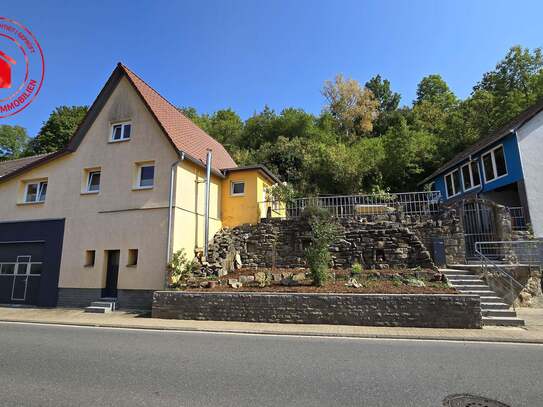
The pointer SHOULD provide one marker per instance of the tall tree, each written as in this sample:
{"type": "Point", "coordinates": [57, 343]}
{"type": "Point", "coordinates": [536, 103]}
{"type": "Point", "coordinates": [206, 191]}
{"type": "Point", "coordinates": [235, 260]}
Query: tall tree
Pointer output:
{"type": "Point", "coordinates": [354, 107]}
{"type": "Point", "coordinates": [13, 141]}
{"type": "Point", "coordinates": [388, 103]}
{"type": "Point", "coordinates": [58, 129]}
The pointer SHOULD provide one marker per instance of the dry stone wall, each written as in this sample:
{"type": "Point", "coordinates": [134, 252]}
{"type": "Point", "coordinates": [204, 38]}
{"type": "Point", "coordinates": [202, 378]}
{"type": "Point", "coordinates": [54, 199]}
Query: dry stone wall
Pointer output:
{"type": "Point", "coordinates": [383, 242]}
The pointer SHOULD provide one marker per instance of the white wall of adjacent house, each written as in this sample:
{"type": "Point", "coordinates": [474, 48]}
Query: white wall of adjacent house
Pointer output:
{"type": "Point", "coordinates": [530, 141]}
{"type": "Point", "coordinates": [119, 217]}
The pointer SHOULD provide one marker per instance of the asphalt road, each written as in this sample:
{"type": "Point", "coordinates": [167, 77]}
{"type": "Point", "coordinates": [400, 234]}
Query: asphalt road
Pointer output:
{"type": "Point", "coordinates": [73, 366]}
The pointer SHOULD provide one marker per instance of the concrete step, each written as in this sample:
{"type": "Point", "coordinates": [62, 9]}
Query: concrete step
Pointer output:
{"type": "Point", "coordinates": [491, 298]}
{"type": "Point", "coordinates": [97, 310]}
{"type": "Point", "coordinates": [104, 304]}
{"type": "Point", "coordinates": [503, 321]}
{"type": "Point", "coordinates": [471, 287]}
{"type": "Point", "coordinates": [494, 305]}
{"type": "Point", "coordinates": [498, 313]}
{"type": "Point", "coordinates": [463, 277]}
{"type": "Point", "coordinates": [480, 293]}
{"type": "Point", "coordinates": [452, 271]}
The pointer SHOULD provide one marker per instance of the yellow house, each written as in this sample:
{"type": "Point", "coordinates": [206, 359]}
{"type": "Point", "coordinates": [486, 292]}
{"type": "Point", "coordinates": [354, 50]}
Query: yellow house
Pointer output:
{"type": "Point", "coordinates": [102, 217]}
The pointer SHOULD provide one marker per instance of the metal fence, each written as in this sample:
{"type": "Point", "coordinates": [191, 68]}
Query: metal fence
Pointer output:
{"type": "Point", "coordinates": [518, 220]}
{"type": "Point", "coordinates": [408, 203]}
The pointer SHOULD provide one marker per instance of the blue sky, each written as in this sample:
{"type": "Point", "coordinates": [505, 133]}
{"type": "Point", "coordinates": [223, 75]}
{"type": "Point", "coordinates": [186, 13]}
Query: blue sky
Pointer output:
{"type": "Point", "coordinates": [248, 53]}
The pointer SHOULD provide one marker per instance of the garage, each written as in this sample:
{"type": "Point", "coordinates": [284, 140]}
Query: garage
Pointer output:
{"type": "Point", "coordinates": [30, 254]}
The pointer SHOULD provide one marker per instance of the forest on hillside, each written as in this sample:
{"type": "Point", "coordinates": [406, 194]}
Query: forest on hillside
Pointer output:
{"type": "Point", "coordinates": [362, 141]}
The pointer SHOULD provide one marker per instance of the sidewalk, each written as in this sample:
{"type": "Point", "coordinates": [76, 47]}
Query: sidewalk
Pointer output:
{"type": "Point", "coordinates": [532, 333]}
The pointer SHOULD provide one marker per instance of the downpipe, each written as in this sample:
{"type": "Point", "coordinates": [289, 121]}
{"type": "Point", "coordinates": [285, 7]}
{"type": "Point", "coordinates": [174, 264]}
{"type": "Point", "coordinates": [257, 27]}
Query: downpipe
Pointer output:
{"type": "Point", "coordinates": [170, 207]}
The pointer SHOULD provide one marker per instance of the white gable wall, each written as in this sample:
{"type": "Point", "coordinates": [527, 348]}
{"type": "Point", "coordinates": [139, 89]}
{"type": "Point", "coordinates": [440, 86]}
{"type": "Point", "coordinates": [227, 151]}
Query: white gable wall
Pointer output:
{"type": "Point", "coordinates": [530, 140]}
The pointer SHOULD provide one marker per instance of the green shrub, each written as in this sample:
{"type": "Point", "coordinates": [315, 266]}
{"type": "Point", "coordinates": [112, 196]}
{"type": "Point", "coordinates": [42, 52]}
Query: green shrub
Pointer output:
{"type": "Point", "coordinates": [180, 268]}
{"type": "Point", "coordinates": [323, 231]}
{"type": "Point", "coordinates": [356, 269]}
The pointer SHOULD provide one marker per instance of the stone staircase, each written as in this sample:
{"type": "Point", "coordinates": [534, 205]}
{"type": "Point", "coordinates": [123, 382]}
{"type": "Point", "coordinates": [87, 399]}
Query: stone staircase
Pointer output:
{"type": "Point", "coordinates": [103, 306]}
{"type": "Point", "coordinates": [493, 308]}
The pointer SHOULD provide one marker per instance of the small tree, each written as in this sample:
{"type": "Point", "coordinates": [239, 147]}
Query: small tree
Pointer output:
{"type": "Point", "coordinates": [323, 232]}
{"type": "Point", "coordinates": [180, 268]}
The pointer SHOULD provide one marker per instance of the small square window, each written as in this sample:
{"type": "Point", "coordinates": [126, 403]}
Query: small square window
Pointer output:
{"type": "Point", "coordinates": [132, 257]}
{"type": "Point", "coordinates": [146, 176]}
{"type": "Point", "coordinates": [121, 131]}
{"type": "Point", "coordinates": [35, 192]}
{"type": "Point", "coordinates": [93, 181]}
{"type": "Point", "coordinates": [90, 257]}
{"type": "Point", "coordinates": [237, 188]}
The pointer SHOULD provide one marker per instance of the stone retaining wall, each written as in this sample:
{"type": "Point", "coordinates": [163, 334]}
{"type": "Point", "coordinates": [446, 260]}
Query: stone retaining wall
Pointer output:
{"type": "Point", "coordinates": [413, 310]}
{"type": "Point", "coordinates": [375, 242]}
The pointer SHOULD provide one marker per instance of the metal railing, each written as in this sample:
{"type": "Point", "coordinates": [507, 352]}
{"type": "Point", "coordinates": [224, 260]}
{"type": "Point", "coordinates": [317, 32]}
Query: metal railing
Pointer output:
{"type": "Point", "coordinates": [496, 256]}
{"type": "Point", "coordinates": [407, 203]}
{"type": "Point", "coordinates": [518, 220]}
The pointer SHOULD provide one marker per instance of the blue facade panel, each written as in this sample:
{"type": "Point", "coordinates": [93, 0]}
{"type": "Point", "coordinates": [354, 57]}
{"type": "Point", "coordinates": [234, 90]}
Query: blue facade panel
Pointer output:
{"type": "Point", "coordinates": [512, 162]}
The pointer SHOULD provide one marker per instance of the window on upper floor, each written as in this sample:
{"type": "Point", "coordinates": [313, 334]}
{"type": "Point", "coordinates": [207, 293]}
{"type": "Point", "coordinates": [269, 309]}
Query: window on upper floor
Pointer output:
{"type": "Point", "coordinates": [35, 192]}
{"type": "Point", "coordinates": [93, 181]}
{"type": "Point", "coordinates": [494, 165]}
{"type": "Point", "coordinates": [145, 175]}
{"type": "Point", "coordinates": [237, 188]}
{"type": "Point", "coordinates": [120, 131]}
{"type": "Point", "coordinates": [470, 175]}
{"type": "Point", "coordinates": [452, 182]}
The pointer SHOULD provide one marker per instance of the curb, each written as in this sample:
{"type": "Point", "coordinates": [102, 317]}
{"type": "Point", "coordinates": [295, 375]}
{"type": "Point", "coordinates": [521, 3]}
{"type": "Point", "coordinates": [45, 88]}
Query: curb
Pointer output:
{"type": "Point", "coordinates": [495, 339]}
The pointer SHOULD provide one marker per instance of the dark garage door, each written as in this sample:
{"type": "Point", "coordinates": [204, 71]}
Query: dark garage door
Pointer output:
{"type": "Point", "coordinates": [30, 255]}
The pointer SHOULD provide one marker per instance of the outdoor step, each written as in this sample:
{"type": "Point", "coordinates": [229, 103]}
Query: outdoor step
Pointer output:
{"type": "Point", "coordinates": [493, 305]}
{"type": "Point", "coordinates": [104, 304]}
{"type": "Point", "coordinates": [492, 298]}
{"type": "Point", "coordinates": [456, 272]}
{"type": "Point", "coordinates": [480, 293]}
{"type": "Point", "coordinates": [471, 287]}
{"type": "Point", "coordinates": [465, 277]}
{"type": "Point", "coordinates": [467, 282]}
{"type": "Point", "coordinates": [498, 313]}
{"type": "Point", "coordinates": [97, 310]}
{"type": "Point", "coordinates": [503, 321]}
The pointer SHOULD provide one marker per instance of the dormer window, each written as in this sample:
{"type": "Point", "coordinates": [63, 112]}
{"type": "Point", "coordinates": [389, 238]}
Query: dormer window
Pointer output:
{"type": "Point", "coordinates": [120, 131]}
{"type": "Point", "coordinates": [35, 192]}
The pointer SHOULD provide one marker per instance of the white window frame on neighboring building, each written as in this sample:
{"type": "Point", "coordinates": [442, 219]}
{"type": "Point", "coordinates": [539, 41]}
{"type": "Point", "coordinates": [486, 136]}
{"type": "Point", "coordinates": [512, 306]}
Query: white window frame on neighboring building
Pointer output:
{"type": "Point", "coordinates": [141, 166]}
{"type": "Point", "coordinates": [232, 187]}
{"type": "Point", "coordinates": [123, 136]}
{"type": "Point", "coordinates": [455, 192]}
{"type": "Point", "coordinates": [470, 169]}
{"type": "Point", "coordinates": [41, 191]}
{"type": "Point", "coordinates": [492, 154]}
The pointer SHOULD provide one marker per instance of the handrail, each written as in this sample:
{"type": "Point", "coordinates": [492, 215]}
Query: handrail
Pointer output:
{"type": "Point", "coordinates": [485, 259]}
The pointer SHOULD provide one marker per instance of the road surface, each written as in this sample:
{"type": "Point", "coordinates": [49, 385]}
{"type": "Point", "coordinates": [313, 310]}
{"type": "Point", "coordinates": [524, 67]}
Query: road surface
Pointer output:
{"type": "Point", "coordinates": [56, 366]}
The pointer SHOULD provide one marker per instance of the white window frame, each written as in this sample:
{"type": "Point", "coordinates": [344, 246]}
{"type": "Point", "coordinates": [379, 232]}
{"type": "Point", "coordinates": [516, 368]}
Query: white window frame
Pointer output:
{"type": "Point", "coordinates": [455, 192]}
{"type": "Point", "coordinates": [123, 127]}
{"type": "Point", "coordinates": [90, 172]}
{"type": "Point", "coordinates": [232, 193]}
{"type": "Point", "coordinates": [38, 191]}
{"type": "Point", "coordinates": [494, 167]}
{"type": "Point", "coordinates": [138, 179]}
{"type": "Point", "coordinates": [469, 165]}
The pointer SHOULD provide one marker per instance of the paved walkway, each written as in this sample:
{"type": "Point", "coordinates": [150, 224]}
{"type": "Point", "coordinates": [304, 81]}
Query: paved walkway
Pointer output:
{"type": "Point", "coordinates": [531, 333]}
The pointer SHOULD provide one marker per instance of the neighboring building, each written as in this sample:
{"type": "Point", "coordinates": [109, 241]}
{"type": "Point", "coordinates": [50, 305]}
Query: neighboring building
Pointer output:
{"type": "Point", "coordinates": [505, 167]}
{"type": "Point", "coordinates": [101, 217]}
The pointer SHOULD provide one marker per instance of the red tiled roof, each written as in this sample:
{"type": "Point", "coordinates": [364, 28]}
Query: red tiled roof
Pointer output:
{"type": "Point", "coordinates": [184, 134]}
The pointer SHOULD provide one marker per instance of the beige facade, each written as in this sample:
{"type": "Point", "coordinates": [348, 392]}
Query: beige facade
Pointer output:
{"type": "Point", "coordinates": [122, 215]}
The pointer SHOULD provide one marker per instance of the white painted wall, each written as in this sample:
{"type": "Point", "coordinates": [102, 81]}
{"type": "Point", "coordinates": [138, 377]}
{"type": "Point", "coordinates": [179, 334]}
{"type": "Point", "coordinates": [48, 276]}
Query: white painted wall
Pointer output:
{"type": "Point", "coordinates": [530, 138]}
